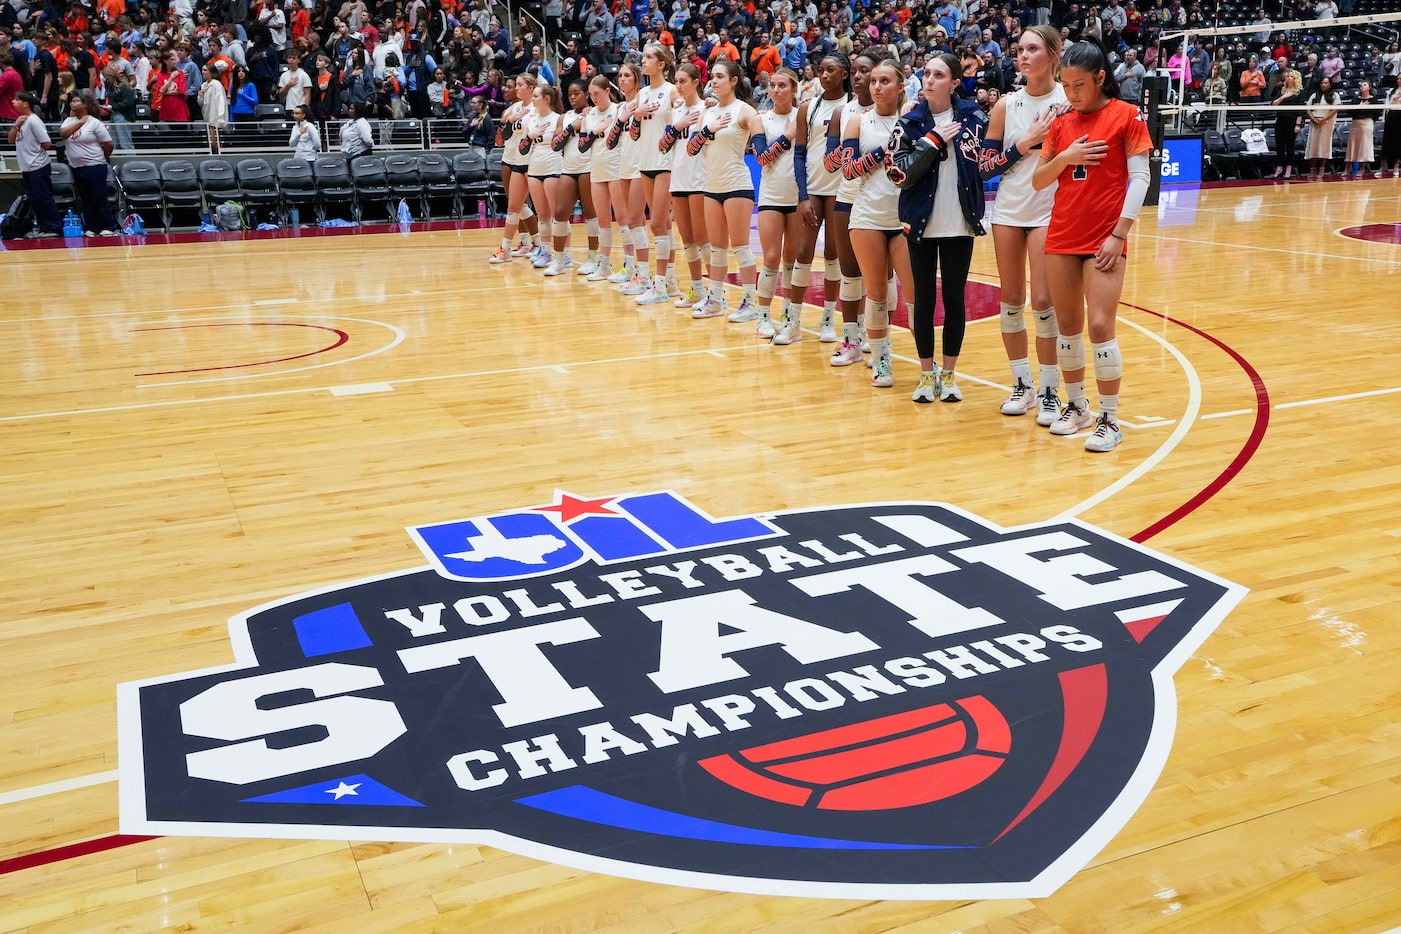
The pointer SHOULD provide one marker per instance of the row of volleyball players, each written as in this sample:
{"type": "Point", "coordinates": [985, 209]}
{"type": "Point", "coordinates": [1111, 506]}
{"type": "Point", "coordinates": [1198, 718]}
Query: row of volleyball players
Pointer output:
{"type": "Point", "coordinates": [662, 146]}
{"type": "Point", "coordinates": [919, 204]}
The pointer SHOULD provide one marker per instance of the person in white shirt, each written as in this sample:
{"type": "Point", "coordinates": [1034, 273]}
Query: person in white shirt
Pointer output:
{"type": "Point", "coordinates": [306, 138]}
{"type": "Point", "coordinates": [32, 145]}
{"type": "Point", "coordinates": [276, 21]}
{"type": "Point", "coordinates": [88, 147]}
{"type": "Point", "coordinates": [295, 82]}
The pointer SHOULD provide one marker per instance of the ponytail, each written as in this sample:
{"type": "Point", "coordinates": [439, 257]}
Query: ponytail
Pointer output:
{"type": "Point", "coordinates": [1090, 58]}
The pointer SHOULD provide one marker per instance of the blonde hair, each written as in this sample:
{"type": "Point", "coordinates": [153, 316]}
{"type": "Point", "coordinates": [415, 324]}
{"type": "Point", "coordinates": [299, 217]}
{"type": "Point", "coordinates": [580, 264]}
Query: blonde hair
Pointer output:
{"type": "Point", "coordinates": [1051, 38]}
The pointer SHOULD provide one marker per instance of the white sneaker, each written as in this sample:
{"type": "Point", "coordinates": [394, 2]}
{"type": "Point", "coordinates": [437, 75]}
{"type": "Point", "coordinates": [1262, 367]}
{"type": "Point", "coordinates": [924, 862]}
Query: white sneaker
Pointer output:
{"type": "Point", "coordinates": [673, 287]}
{"type": "Point", "coordinates": [690, 298]}
{"type": "Point", "coordinates": [709, 308]}
{"type": "Point", "coordinates": [765, 328]}
{"type": "Point", "coordinates": [881, 375]}
{"type": "Point", "coordinates": [635, 286]}
{"type": "Point", "coordinates": [568, 261]}
{"type": "Point", "coordinates": [500, 256]}
{"type": "Point", "coordinates": [827, 331]}
{"type": "Point", "coordinates": [1047, 406]}
{"type": "Point", "coordinates": [948, 388]}
{"type": "Point", "coordinates": [748, 310]}
{"type": "Point", "coordinates": [846, 354]}
{"type": "Point", "coordinates": [542, 260]}
{"type": "Point", "coordinates": [924, 392]}
{"type": "Point", "coordinates": [651, 297]}
{"type": "Point", "coordinates": [1021, 401]}
{"type": "Point", "coordinates": [557, 266]}
{"type": "Point", "coordinates": [1071, 419]}
{"type": "Point", "coordinates": [624, 274]}
{"type": "Point", "coordinates": [788, 332]}
{"type": "Point", "coordinates": [1105, 437]}
{"type": "Point", "coordinates": [603, 272]}
{"type": "Point", "coordinates": [588, 267]}
{"type": "Point", "coordinates": [524, 248]}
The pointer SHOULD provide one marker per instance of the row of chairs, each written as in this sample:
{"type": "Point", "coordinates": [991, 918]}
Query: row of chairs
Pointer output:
{"type": "Point", "coordinates": [363, 188]}
{"type": "Point", "coordinates": [1226, 155]}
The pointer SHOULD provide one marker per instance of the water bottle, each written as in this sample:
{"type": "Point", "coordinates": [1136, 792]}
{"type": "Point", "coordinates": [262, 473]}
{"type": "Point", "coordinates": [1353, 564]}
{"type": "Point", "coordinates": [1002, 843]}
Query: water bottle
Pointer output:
{"type": "Point", "coordinates": [296, 217]}
{"type": "Point", "coordinates": [72, 225]}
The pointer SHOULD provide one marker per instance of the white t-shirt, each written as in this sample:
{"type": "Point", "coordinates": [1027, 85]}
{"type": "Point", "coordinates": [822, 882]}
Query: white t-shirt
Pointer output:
{"type": "Point", "coordinates": [946, 217]}
{"type": "Point", "coordinates": [305, 141]}
{"type": "Point", "coordinates": [297, 84]}
{"type": "Point", "coordinates": [29, 145]}
{"type": "Point", "coordinates": [276, 22]}
{"type": "Point", "coordinates": [84, 147]}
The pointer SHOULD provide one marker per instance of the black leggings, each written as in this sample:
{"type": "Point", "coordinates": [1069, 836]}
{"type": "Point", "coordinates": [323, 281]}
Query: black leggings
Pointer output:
{"type": "Point", "coordinates": [955, 255]}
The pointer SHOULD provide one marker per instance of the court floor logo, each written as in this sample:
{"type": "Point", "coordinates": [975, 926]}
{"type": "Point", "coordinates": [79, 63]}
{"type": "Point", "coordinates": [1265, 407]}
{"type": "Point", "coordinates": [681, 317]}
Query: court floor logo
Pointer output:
{"type": "Point", "coordinates": [890, 700]}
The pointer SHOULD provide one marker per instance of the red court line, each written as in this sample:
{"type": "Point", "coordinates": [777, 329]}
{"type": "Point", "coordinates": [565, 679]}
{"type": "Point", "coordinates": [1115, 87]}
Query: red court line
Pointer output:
{"type": "Point", "coordinates": [1247, 451]}
{"type": "Point", "coordinates": [341, 339]}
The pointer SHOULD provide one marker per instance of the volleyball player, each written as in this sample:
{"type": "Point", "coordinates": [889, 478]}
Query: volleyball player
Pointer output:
{"type": "Point", "coordinates": [574, 183]}
{"type": "Point", "coordinates": [1019, 217]}
{"type": "Point", "coordinates": [853, 317]}
{"type": "Point", "coordinates": [1098, 152]}
{"type": "Point", "coordinates": [817, 187]}
{"type": "Point", "coordinates": [874, 226]}
{"type": "Point", "coordinates": [935, 164]}
{"type": "Point", "coordinates": [688, 182]}
{"type": "Point", "coordinates": [729, 191]}
{"type": "Point", "coordinates": [632, 222]}
{"type": "Point", "coordinates": [604, 165]}
{"type": "Point", "coordinates": [545, 167]}
{"type": "Point", "coordinates": [653, 189]}
{"type": "Point", "coordinates": [780, 227]}
{"type": "Point", "coordinates": [513, 174]}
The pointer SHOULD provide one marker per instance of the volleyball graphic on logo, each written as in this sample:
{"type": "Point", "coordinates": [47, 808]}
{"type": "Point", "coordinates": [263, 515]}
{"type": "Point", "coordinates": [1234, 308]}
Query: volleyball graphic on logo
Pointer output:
{"type": "Point", "coordinates": [898, 761]}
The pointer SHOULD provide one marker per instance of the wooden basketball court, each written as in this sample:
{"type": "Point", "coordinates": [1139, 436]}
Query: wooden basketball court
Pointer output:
{"type": "Point", "coordinates": [194, 429]}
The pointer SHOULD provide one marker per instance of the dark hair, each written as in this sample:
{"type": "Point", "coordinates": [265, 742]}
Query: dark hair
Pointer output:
{"type": "Point", "coordinates": [844, 64]}
{"type": "Point", "coordinates": [744, 91]}
{"type": "Point", "coordinates": [1089, 58]}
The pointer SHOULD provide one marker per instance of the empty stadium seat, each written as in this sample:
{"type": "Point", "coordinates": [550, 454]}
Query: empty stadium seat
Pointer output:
{"type": "Point", "coordinates": [334, 187]}
{"type": "Point", "coordinates": [298, 186]}
{"type": "Point", "coordinates": [401, 171]}
{"type": "Point", "coordinates": [258, 186]}
{"type": "Point", "coordinates": [217, 181]}
{"type": "Point", "coordinates": [473, 185]}
{"type": "Point", "coordinates": [438, 187]}
{"type": "Point", "coordinates": [180, 182]}
{"type": "Point", "coordinates": [139, 182]}
{"type": "Point", "coordinates": [371, 187]}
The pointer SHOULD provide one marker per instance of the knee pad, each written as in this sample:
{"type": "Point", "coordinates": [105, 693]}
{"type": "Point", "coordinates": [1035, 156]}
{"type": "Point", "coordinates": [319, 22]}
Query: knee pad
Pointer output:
{"type": "Point", "coordinates": [1045, 322]}
{"type": "Point", "coordinates": [719, 257]}
{"type": "Point", "coordinates": [663, 246]}
{"type": "Point", "coordinates": [767, 278]}
{"type": "Point", "coordinates": [1070, 352]}
{"type": "Point", "coordinates": [559, 228]}
{"type": "Point", "coordinates": [852, 289]}
{"type": "Point", "coordinates": [744, 256]}
{"type": "Point", "coordinates": [1109, 363]}
{"type": "Point", "coordinates": [801, 274]}
{"type": "Point", "coordinates": [527, 212]}
{"type": "Point", "coordinates": [832, 273]}
{"type": "Point", "coordinates": [625, 233]}
{"type": "Point", "coordinates": [1013, 319]}
{"type": "Point", "coordinates": [591, 226]}
{"type": "Point", "coordinates": [692, 252]}
{"type": "Point", "coordinates": [605, 238]}
{"type": "Point", "coordinates": [877, 315]}
{"type": "Point", "coordinates": [639, 238]}
{"type": "Point", "coordinates": [513, 220]}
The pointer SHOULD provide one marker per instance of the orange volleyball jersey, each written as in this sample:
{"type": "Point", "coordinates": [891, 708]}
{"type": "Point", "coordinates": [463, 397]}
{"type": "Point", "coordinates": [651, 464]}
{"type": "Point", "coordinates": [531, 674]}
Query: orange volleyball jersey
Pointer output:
{"type": "Point", "coordinates": [1090, 198]}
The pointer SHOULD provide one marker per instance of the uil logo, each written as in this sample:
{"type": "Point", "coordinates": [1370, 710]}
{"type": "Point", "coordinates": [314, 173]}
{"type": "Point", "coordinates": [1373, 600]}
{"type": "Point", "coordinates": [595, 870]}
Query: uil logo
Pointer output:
{"type": "Point", "coordinates": [891, 700]}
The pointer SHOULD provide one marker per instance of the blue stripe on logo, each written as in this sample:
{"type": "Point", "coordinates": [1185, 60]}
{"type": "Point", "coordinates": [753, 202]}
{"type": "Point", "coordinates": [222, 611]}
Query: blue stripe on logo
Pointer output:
{"type": "Point", "coordinates": [596, 807]}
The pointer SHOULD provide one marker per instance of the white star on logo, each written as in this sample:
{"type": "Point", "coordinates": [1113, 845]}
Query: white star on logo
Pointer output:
{"type": "Point", "coordinates": [341, 790]}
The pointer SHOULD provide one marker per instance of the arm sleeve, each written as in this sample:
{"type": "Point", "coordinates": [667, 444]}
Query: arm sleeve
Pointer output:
{"type": "Point", "coordinates": [855, 166]}
{"type": "Point", "coordinates": [832, 155]}
{"type": "Point", "coordinates": [800, 170]}
{"type": "Point", "coordinates": [760, 144]}
{"type": "Point", "coordinates": [1138, 186]}
{"type": "Point", "coordinates": [994, 160]}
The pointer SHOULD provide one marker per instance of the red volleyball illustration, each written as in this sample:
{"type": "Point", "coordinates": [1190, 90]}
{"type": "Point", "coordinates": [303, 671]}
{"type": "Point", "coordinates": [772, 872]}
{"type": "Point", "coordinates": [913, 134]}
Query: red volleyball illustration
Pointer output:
{"type": "Point", "coordinates": [898, 761]}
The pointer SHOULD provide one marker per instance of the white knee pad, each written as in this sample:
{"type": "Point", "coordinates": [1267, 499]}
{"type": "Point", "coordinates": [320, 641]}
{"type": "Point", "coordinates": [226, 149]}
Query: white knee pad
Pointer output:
{"type": "Point", "coordinates": [1045, 321]}
{"type": "Point", "coordinates": [852, 289]}
{"type": "Point", "coordinates": [625, 235]}
{"type": "Point", "coordinates": [591, 227]}
{"type": "Point", "coordinates": [605, 238]}
{"type": "Point", "coordinates": [1070, 352]}
{"type": "Point", "coordinates": [801, 274]}
{"type": "Point", "coordinates": [744, 256]}
{"type": "Point", "coordinates": [663, 246]}
{"type": "Point", "coordinates": [719, 257]}
{"type": "Point", "coordinates": [832, 273]}
{"type": "Point", "coordinates": [1013, 318]}
{"type": "Point", "coordinates": [767, 277]}
{"type": "Point", "coordinates": [692, 252]}
{"type": "Point", "coordinates": [527, 212]}
{"type": "Point", "coordinates": [1109, 363]}
{"type": "Point", "coordinates": [877, 315]}
{"type": "Point", "coordinates": [560, 228]}
{"type": "Point", "coordinates": [513, 220]}
{"type": "Point", "coordinates": [639, 238]}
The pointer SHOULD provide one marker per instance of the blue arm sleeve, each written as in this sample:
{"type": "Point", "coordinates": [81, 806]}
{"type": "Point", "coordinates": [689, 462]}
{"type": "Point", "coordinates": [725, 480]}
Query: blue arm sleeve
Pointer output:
{"type": "Point", "coordinates": [759, 142]}
{"type": "Point", "coordinates": [800, 170]}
